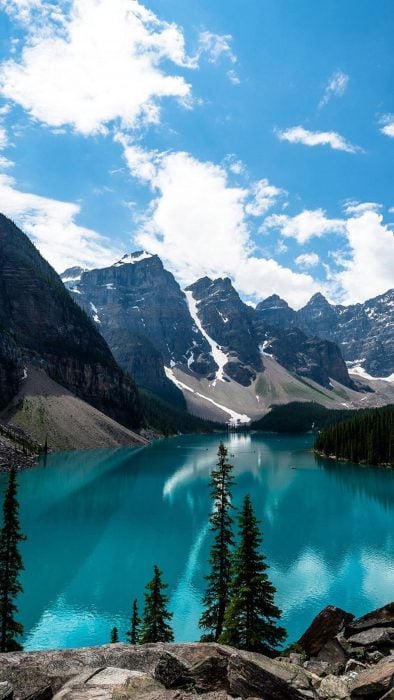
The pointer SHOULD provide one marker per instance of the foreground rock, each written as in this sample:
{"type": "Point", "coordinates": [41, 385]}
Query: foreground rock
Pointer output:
{"type": "Point", "coordinates": [342, 663]}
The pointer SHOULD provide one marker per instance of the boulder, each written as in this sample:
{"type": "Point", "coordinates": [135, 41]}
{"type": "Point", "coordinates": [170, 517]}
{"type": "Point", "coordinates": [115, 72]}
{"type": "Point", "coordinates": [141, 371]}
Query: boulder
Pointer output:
{"type": "Point", "coordinates": [332, 652]}
{"type": "Point", "coordinates": [326, 625]}
{"type": "Point", "coordinates": [319, 668]}
{"type": "Point", "coordinates": [382, 617]}
{"type": "Point", "coordinates": [375, 680]}
{"type": "Point", "coordinates": [249, 679]}
{"type": "Point", "coordinates": [6, 691]}
{"type": "Point", "coordinates": [375, 637]}
{"type": "Point", "coordinates": [333, 687]}
{"type": "Point", "coordinates": [208, 675]}
{"type": "Point", "coordinates": [169, 670]}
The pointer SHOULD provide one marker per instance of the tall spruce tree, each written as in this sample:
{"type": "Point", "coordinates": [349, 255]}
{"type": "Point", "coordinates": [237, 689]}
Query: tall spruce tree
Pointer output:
{"type": "Point", "coordinates": [155, 627]}
{"type": "Point", "coordinates": [10, 567]}
{"type": "Point", "coordinates": [114, 635]}
{"type": "Point", "coordinates": [251, 617]}
{"type": "Point", "coordinates": [216, 597]}
{"type": "Point", "coordinates": [134, 633]}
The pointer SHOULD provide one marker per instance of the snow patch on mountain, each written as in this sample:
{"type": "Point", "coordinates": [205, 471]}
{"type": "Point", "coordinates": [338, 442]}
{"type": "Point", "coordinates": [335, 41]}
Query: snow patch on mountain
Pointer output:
{"type": "Point", "coordinates": [217, 353]}
{"type": "Point", "coordinates": [131, 258]}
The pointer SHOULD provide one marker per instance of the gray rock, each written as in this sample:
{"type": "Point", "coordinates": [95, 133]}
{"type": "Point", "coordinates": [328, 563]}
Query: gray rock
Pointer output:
{"type": "Point", "coordinates": [6, 691]}
{"type": "Point", "coordinates": [169, 670]}
{"type": "Point", "coordinates": [208, 675]}
{"type": "Point", "coordinates": [374, 637]}
{"type": "Point", "coordinates": [383, 617]}
{"type": "Point", "coordinates": [296, 658]}
{"type": "Point", "coordinates": [248, 678]}
{"type": "Point", "coordinates": [375, 680]}
{"type": "Point", "coordinates": [333, 687]}
{"type": "Point", "coordinates": [332, 652]}
{"type": "Point", "coordinates": [354, 665]}
{"type": "Point", "coordinates": [326, 625]}
{"type": "Point", "coordinates": [319, 668]}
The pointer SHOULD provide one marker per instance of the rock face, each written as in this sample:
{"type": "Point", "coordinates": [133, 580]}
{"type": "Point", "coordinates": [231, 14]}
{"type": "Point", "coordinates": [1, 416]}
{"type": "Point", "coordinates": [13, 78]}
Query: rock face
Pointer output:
{"type": "Point", "coordinates": [364, 332]}
{"type": "Point", "coordinates": [150, 323]}
{"type": "Point", "coordinates": [227, 320]}
{"type": "Point", "coordinates": [142, 313]}
{"type": "Point", "coordinates": [40, 323]}
{"type": "Point", "coordinates": [210, 671]}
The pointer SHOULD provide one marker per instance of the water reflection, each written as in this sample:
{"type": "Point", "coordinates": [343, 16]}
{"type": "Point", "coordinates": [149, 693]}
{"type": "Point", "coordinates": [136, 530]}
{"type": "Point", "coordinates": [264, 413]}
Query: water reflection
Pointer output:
{"type": "Point", "coordinates": [98, 521]}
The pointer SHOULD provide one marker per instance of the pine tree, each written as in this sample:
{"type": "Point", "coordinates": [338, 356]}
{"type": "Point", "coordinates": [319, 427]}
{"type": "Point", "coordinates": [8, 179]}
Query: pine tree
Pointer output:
{"type": "Point", "coordinates": [114, 635]}
{"type": "Point", "coordinates": [155, 627]}
{"type": "Point", "coordinates": [10, 567]}
{"type": "Point", "coordinates": [250, 620]}
{"type": "Point", "coordinates": [134, 633]}
{"type": "Point", "coordinates": [216, 597]}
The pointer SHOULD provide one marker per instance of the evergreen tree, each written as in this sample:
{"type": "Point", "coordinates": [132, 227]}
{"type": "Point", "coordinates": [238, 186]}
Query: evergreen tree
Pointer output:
{"type": "Point", "coordinates": [10, 567]}
{"type": "Point", "coordinates": [134, 633]}
{"type": "Point", "coordinates": [114, 635]}
{"type": "Point", "coordinates": [155, 627]}
{"type": "Point", "coordinates": [216, 597]}
{"type": "Point", "coordinates": [250, 620]}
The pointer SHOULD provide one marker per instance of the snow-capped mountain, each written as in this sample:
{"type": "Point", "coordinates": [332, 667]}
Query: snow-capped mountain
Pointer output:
{"type": "Point", "coordinates": [221, 353]}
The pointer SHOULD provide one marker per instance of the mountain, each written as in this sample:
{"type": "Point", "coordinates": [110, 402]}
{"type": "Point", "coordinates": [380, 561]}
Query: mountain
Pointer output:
{"type": "Point", "coordinates": [364, 332]}
{"type": "Point", "coordinates": [204, 347]}
{"type": "Point", "coordinates": [41, 325]}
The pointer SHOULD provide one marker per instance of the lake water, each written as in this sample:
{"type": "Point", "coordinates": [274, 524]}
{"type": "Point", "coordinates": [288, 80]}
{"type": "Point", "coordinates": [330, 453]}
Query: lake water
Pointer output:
{"type": "Point", "coordinates": [98, 520]}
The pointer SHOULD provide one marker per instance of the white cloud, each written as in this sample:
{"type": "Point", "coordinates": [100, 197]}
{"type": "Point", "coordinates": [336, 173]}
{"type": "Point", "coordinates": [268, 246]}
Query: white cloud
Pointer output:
{"type": "Point", "coordinates": [303, 226]}
{"type": "Point", "coordinates": [51, 225]}
{"type": "Point", "coordinates": [297, 134]}
{"type": "Point", "coordinates": [264, 197]}
{"type": "Point", "coordinates": [233, 77]}
{"type": "Point", "coordinates": [307, 260]}
{"type": "Point", "coordinates": [354, 207]}
{"type": "Point", "coordinates": [197, 223]}
{"type": "Point", "coordinates": [103, 62]}
{"type": "Point", "coordinates": [336, 87]}
{"type": "Point", "coordinates": [215, 46]}
{"type": "Point", "coordinates": [368, 271]}
{"type": "Point", "coordinates": [387, 127]}
{"type": "Point", "coordinates": [3, 138]}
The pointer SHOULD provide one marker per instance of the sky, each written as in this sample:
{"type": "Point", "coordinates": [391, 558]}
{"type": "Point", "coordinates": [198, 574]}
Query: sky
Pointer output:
{"type": "Point", "coordinates": [245, 138]}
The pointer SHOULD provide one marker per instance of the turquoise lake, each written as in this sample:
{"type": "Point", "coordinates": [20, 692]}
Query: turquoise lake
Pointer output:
{"type": "Point", "coordinates": [98, 520]}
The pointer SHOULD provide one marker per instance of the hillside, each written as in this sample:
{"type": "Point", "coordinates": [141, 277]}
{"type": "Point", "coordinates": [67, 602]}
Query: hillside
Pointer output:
{"type": "Point", "coordinates": [366, 438]}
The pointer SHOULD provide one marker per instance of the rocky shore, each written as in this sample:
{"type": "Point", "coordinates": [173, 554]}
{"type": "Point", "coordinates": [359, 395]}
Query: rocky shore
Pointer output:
{"type": "Point", "coordinates": [337, 658]}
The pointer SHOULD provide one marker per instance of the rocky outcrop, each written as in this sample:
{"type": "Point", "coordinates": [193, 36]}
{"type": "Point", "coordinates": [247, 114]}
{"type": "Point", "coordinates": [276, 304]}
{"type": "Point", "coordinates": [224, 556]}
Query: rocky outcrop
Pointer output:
{"type": "Point", "coordinates": [141, 311]}
{"type": "Point", "coordinates": [211, 671]}
{"type": "Point", "coordinates": [39, 323]}
{"type": "Point", "coordinates": [229, 322]}
{"type": "Point", "coordinates": [364, 332]}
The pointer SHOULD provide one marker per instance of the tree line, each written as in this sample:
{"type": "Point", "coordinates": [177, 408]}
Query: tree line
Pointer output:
{"type": "Point", "coordinates": [366, 438]}
{"type": "Point", "coordinates": [239, 600]}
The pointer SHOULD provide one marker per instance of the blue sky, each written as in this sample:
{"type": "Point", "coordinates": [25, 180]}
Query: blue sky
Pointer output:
{"type": "Point", "coordinates": [252, 139]}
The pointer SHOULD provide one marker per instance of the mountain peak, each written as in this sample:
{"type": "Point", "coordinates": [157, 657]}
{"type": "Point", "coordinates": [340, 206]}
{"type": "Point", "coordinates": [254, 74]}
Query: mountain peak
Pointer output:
{"type": "Point", "coordinates": [273, 302]}
{"type": "Point", "coordinates": [318, 298]}
{"type": "Point", "coordinates": [132, 258]}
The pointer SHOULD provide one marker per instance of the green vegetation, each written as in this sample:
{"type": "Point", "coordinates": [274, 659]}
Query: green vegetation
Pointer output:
{"type": "Point", "coordinates": [366, 438]}
{"type": "Point", "coordinates": [249, 621]}
{"type": "Point", "coordinates": [114, 635]}
{"type": "Point", "coordinates": [10, 567]}
{"type": "Point", "coordinates": [300, 417]}
{"type": "Point", "coordinates": [167, 419]}
{"type": "Point", "coordinates": [155, 627]}
{"type": "Point", "coordinates": [216, 597]}
{"type": "Point", "coordinates": [134, 633]}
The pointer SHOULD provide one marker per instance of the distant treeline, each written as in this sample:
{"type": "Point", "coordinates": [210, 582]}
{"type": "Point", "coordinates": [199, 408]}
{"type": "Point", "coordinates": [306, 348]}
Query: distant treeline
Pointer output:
{"type": "Point", "coordinates": [365, 438]}
{"type": "Point", "coordinates": [300, 417]}
{"type": "Point", "coordinates": [168, 419]}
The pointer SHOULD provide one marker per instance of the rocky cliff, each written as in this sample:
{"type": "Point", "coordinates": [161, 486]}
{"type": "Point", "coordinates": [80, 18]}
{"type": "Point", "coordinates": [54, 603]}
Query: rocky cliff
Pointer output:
{"type": "Point", "coordinates": [338, 658]}
{"type": "Point", "coordinates": [364, 332]}
{"type": "Point", "coordinates": [40, 323]}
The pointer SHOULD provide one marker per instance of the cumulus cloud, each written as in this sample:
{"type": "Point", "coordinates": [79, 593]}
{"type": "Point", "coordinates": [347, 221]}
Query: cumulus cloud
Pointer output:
{"type": "Point", "coordinates": [307, 260]}
{"type": "Point", "coordinates": [51, 224]}
{"type": "Point", "coordinates": [264, 197]}
{"type": "Point", "coordinates": [336, 87]}
{"type": "Point", "coordinates": [354, 207]}
{"type": "Point", "coordinates": [368, 269]}
{"type": "Point", "coordinates": [198, 224]}
{"type": "Point", "coordinates": [303, 226]}
{"type": "Point", "coordinates": [102, 61]}
{"type": "Point", "coordinates": [216, 46]}
{"type": "Point", "coordinates": [297, 134]}
{"type": "Point", "coordinates": [387, 125]}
